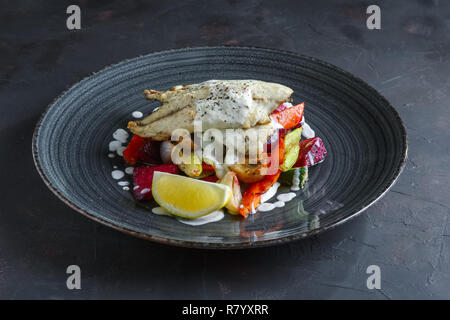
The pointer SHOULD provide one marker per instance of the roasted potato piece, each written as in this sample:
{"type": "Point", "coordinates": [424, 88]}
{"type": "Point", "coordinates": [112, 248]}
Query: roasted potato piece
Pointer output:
{"type": "Point", "coordinates": [249, 173]}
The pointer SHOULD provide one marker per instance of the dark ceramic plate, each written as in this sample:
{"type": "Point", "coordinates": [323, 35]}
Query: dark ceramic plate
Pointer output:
{"type": "Point", "coordinates": [364, 135]}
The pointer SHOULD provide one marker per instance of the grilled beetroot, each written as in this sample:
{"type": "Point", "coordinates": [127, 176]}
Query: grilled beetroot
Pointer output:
{"type": "Point", "coordinates": [210, 178]}
{"type": "Point", "coordinates": [143, 177]}
{"type": "Point", "coordinates": [312, 151]}
{"type": "Point", "coordinates": [150, 152]}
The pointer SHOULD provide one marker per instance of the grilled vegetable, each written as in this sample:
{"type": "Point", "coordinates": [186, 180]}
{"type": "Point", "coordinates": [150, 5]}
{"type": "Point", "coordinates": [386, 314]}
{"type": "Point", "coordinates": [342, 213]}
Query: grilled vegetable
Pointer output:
{"type": "Point", "coordinates": [230, 179]}
{"type": "Point", "coordinates": [295, 177]}
{"type": "Point", "coordinates": [207, 171]}
{"type": "Point", "coordinates": [133, 150]}
{"type": "Point", "coordinates": [192, 167]}
{"type": "Point", "coordinates": [143, 178]}
{"type": "Point", "coordinates": [252, 196]}
{"type": "Point", "coordinates": [312, 151]}
{"type": "Point", "coordinates": [249, 173]}
{"type": "Point", "coordinates": [289, 117]}
{"type": "Point", "coordinates": [166, 151]}
{"type": "Point", "coordinates": [292, 148]}
{"type": "Point", "coordinates": [142, 150]}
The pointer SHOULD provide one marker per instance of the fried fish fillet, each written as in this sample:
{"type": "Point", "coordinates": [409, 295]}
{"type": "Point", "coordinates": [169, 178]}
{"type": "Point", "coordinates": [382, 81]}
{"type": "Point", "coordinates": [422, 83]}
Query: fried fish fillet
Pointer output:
{"type": "Point", "coordinates": [219, 104]}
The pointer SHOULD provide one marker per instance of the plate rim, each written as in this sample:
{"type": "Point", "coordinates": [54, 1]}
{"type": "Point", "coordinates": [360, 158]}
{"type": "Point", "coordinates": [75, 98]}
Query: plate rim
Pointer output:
{"type": "Point", "coordinates": [210, 245]}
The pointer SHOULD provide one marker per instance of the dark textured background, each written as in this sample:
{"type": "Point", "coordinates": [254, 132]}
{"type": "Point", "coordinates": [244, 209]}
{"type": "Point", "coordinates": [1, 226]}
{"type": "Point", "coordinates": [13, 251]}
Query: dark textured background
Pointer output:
{"type": "Point", "coordinates": [406, 233]}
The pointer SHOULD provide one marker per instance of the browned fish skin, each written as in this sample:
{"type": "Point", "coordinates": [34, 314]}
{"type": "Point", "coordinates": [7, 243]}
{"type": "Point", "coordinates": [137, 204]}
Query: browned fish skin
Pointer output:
{"type": "Point", "coordinates": [213, 102]}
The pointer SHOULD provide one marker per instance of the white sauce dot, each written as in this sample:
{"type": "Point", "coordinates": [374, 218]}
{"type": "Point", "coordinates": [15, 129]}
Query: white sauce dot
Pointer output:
{"type": "Point", "coordinates": [266, 206]}
{"type": "Point", "coordinates": [114, 145]}
{"type": "Point", "coordinates": [135, 187]}
{"type": "Point", "coordinates": [111, 155]}
{"type": "Point", "coordinates": [146, 190]}
{"type": "Point", "coordinates": [296, 180]}
{"type": "Point", "coordinates": [120, 151]}
{"type": "Point", "coordinates": [212, 217]}
{"type": "Point", "coordinates": [270, 193]}
{"type": "Point", "coordinates": [161, 211]}
{"type": "Point", "coordinates": [307, 131]}
{"type": "Point", "coordinates": [120, 135]}
{"type": "Point", "coordinates": [137, 114]}
{"type": "Point", "coordinates": [117, 174]}
{"type": "Point", "coordinates": [126, 188]}
{"type": "Point", "coordinates": [279, 204]}
{"type": "Point", "coordinates": [123, 183]}
{"type": "Point", "coordinates": [285, 197]}
{"type": "Point", "coordinates": [129, 170]}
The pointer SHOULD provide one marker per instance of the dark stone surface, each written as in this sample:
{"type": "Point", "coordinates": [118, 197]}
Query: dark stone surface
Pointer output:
{"type": "Point", "coordinates": [406, 233]}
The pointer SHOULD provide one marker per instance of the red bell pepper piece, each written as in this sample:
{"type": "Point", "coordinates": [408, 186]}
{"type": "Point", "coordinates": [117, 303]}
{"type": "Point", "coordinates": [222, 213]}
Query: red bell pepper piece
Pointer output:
{"type": "Point", "coordinates": [142, 150]}
{"type": "Point", "coordinates": [252, 196]}
{"type": "Point", "coordinates": [133, 150]}
{"type": "Point", "coordinates": [289, 117]}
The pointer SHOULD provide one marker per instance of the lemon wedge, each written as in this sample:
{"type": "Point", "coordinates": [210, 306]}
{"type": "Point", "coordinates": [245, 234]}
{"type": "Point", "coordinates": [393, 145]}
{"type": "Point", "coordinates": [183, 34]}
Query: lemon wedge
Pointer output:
{"type": "Point", "coordinates": [187, 197]}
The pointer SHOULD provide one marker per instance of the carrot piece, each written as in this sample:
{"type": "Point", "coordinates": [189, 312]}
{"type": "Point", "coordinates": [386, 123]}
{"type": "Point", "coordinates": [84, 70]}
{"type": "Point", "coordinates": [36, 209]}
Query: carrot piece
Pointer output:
{"type": "Point", "coordinates": [252, 196]}
{"type": "Point", "coordinates": [289, 117]}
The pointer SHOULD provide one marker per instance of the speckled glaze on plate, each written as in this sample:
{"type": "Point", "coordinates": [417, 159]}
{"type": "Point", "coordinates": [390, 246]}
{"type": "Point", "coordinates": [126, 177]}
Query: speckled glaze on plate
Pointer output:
{"type": "Point", "coordinates": [364, 136]}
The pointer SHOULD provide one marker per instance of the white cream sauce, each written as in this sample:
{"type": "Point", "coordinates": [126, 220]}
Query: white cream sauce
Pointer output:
{"type": "Point", "coordinates": [270, 193]}
{"type": "Point", "coordinates": [296, 180]}
{"type": "Point", "coordinates": [120, 150]}
{"type": "Point", "coordinates": [282, 199]}
{"type": "Point", "coordinates": [212, 217]}
{"type": "Point", "coordinates": [114, 145]}
{"type": "Point", "coordinates": [228, 100]}
{"type": "Point", "coordinates": [161, 211]}
{"type": "Point", "coordinates": [117, 174]}
{"type": "Point", "coordinates": [129, 170]}
{"type": "Point", "coordinates": [137, 114]}
{"type": "Point", "coordinates": [285, 197]}
{"type": "Point", "coordinates": [267, 206]}
{"type": "Point", "coordinates": [307, 131]}
{"type": "Point", "coordinates": [123, 183]}
{"type": "Point", "coordinates": [120, 135]}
